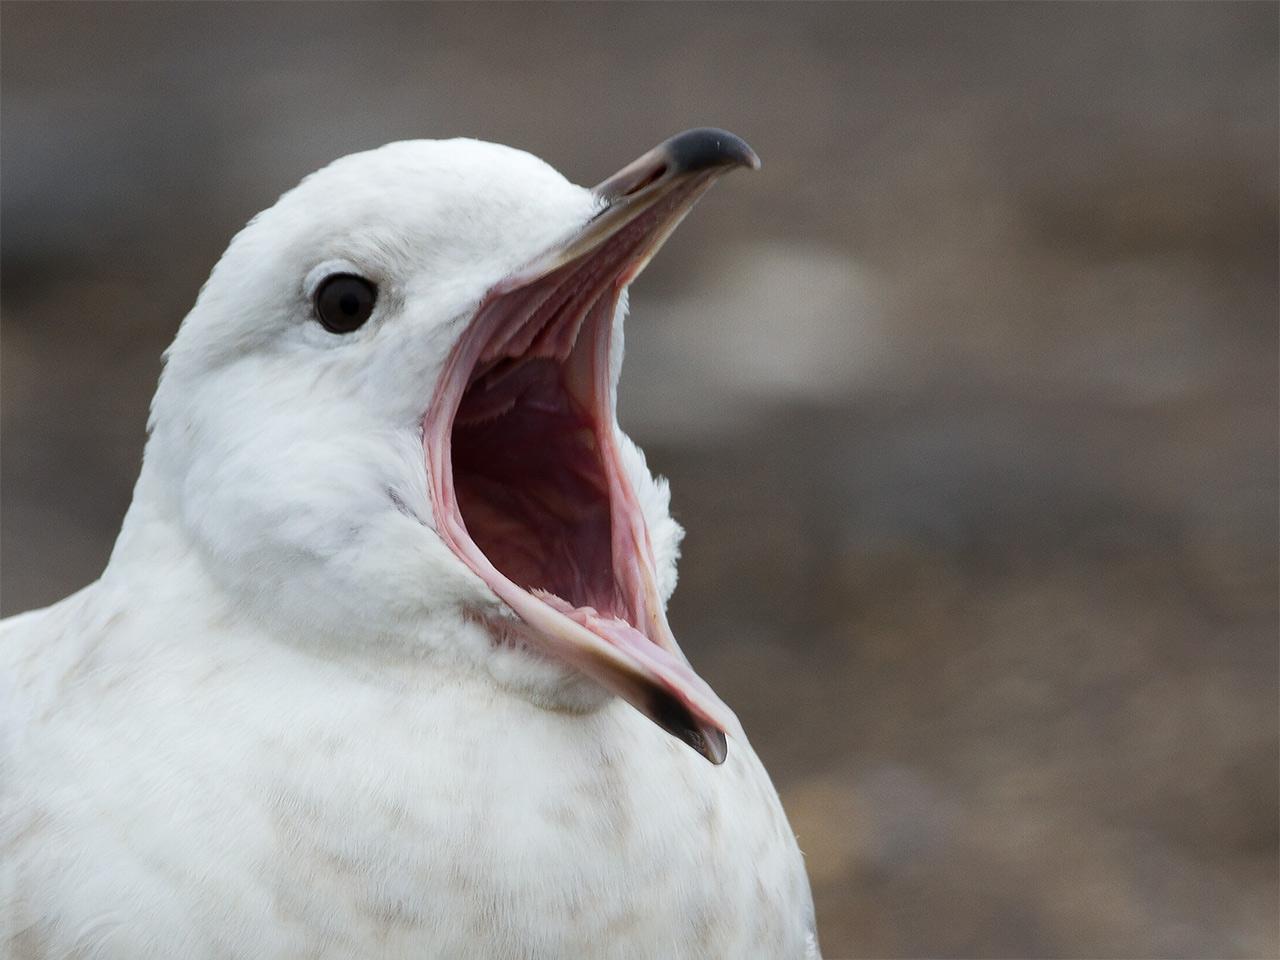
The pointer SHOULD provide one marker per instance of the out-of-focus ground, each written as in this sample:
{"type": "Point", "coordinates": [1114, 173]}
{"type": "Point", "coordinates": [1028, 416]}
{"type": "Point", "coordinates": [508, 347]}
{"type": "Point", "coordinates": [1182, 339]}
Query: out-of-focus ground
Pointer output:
{"type": "Point", "coordinates": [968, 399]}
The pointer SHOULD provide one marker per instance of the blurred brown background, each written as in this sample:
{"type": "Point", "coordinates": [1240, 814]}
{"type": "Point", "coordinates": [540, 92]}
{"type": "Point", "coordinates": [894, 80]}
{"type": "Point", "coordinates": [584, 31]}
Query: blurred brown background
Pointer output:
{"type": "Point", "coordinates": [968, 399]}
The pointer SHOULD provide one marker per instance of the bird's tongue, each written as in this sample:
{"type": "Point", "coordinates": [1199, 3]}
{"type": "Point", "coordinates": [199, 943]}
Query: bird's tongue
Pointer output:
{"type": "Point", "coordinates": [626, 638]}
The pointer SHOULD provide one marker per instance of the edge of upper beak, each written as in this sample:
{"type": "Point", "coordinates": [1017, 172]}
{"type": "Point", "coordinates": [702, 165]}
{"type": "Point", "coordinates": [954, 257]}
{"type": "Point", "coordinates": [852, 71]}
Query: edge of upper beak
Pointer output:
{"type": "Point", "coordinates": [694, 151]}
{"type": "Point", "coordinates": [677, 172]}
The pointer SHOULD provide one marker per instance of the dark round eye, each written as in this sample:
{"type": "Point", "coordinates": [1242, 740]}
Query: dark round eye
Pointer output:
{"type": "Point", "coordinates": [344, 302]}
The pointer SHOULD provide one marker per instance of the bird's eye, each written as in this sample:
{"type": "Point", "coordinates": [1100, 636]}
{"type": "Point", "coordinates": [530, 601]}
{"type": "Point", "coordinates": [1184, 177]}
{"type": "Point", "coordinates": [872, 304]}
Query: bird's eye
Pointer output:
{"type": "Point", "coordinates": [344, 302]}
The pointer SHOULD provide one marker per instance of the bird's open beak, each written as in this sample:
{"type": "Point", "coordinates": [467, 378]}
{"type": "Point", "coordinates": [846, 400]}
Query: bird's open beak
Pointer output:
{"type": "Point", "coordinates": [528, 485]}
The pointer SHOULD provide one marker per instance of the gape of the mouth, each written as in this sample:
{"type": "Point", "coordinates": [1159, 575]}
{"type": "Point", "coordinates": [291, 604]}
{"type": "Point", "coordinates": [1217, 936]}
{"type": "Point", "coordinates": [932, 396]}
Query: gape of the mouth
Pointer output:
{"type": "Point", "coordinates": [537, 480]}
{"type": "Point", "coordinates": [527, 483]}
{"type": "Point", "coordinates": [529, 490]}
{"type": "Point", "coordinates": [529, 471]}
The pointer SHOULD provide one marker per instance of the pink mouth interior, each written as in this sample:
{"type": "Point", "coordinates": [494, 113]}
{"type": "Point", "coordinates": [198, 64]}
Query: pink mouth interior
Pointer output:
{"type": "Point", "coordinates": [526, 466]}
{"type": "Point", "coordinates": [531, 485]}
{"type": "Point", "coordinates": [535, 466]}
{"type": "Point", "coordinates": [529, 489]}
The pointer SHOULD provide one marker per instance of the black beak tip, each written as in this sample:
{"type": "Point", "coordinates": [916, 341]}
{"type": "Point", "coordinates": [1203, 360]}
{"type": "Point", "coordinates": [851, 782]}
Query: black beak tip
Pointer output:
{"type": "Point", "coordinates": [717, 747]}
{"type": "Point", "coordinates": [706, 148]}
{"type": "Point", "coordinates": [674, 717]}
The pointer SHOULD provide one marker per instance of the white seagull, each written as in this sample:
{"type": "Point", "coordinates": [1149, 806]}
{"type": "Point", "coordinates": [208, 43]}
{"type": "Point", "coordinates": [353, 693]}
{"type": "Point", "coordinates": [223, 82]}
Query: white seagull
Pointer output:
{"type": "Point", "coordinates": [380, 664]}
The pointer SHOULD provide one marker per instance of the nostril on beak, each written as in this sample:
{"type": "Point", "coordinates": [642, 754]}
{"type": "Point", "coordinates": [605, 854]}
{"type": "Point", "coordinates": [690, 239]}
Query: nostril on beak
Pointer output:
{"type": "Point", "coordinates": [654, 176]}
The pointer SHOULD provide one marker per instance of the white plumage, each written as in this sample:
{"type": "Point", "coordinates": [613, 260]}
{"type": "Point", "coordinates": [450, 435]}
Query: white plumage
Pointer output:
{"type": "Point", "coordinates": [290, 721]}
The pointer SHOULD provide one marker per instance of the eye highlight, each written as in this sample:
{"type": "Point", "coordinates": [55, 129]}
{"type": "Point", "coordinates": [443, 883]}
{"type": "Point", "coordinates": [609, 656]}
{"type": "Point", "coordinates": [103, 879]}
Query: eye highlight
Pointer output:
{"type": "Point", "coordinates": [344, 302]}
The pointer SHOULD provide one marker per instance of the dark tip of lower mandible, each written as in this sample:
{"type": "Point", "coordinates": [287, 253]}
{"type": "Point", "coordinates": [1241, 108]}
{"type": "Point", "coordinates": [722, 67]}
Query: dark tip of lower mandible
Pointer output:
{"type": "Point", "coordinates": [708, 147]}
{"type": "Point", "coordinates": [673, 716]}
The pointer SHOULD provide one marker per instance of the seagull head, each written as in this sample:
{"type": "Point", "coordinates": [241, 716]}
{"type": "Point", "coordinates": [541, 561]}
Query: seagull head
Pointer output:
{"type": "Point", "coordinates": [390, 420]}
